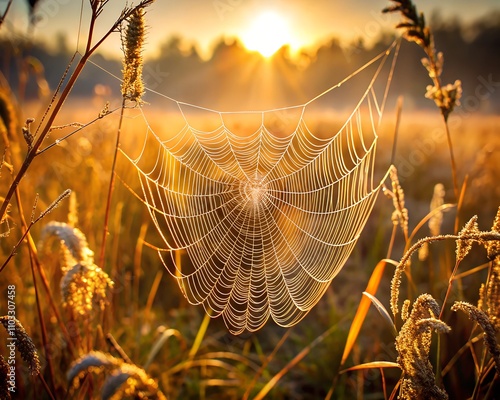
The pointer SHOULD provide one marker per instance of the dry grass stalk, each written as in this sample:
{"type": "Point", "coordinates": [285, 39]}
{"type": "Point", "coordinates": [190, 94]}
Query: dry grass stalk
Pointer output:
{"type": "Point", "coordinates": [413, 346]}
{"type": "Point", "coordinates": [445, 97]}
{"type": "Point", "coordinates": [54, 204]}
{"type": "Point", "coordinates": [415, 29]}
{"type": "Point", "coordinates": [401, 267]}
{"type": "Point", "coordinates": [23, 343]}
{"type": "Point", "coordinates": [482, 319]}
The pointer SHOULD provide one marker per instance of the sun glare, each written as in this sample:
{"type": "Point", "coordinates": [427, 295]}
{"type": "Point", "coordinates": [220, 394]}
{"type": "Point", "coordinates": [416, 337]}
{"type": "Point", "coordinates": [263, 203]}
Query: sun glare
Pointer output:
{"type": "Point", "coordinates": [267, 34]}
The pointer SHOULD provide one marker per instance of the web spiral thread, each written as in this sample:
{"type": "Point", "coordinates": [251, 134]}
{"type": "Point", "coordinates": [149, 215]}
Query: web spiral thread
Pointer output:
{"type": "Point", "coordinates": [267, 218]}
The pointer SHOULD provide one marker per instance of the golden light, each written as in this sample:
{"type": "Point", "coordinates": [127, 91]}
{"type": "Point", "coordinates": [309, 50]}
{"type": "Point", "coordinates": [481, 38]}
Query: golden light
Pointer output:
{"type": "Point", "coordinates": [267, 34]}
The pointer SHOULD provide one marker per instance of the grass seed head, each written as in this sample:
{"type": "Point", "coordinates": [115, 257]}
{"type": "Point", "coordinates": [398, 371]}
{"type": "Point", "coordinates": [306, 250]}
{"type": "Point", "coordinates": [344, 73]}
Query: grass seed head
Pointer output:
{"type": "Point", "coordinates": [4, 379]}
{"type": "Point", "coordinates": [85, 287]}
{"type": "Point", "coordinates": [484, 322]}
{"type": "Point", "coordinates": [96, 362]}
{"type": "Point", "coordinates": [464, 246]}
{"type": "Point", "coordinates": [400, 213]}
{"type": "Point", "coordinates": [132, 85]}
{"type": "Point", "coordinates": [413, 345]}
{"type": "Point", "coordinates": [72, 238]}
{"type": "Point", "coordinates": [23, 343]}
{"type": "Point", "coordinates": [130, 381]}
{"type": "Point", "coordinates": [493, 246]}
{"type": "Point", "coordinates": [489, 295]}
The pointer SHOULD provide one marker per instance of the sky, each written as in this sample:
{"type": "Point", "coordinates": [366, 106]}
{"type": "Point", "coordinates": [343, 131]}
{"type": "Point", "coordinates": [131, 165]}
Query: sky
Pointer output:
{"type": "Point", "coordinates": [307, 23]}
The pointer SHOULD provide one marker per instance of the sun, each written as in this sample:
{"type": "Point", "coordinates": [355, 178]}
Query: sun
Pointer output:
{"type": "Point", "coordinates": [267, 34]}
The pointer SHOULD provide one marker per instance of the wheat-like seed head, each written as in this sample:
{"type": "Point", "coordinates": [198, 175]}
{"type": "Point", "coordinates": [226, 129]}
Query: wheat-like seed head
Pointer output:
{"type": "Point", "coordinates": [446, 97]}
{"type": "Point", "coordinates": [72, 238]}
{"type": "Point", "coordinates": [84, 287]}
{"type": "Point", "coordinates": [4, 385]}
{"type": "Point", "coordinates": [132, 85]}
{"type": "Point", "coordinates": [126, 380]}
{"type": "Point", "coordinates": [400, 213]}
{"type": "Point", "coordinates": [23, 343]}
{"type": "Point", "coordinates": [96, 362]}
{"type": "Point", "coordinates": [464, 246]}
{"type": "Point", "coordinates": [415, 29]}
{"type": "Point", "coordinates": [482, 319]}
{"type": "Point", "coordinates": [490, 295]}
{"type": "Point", "coordinates": [413, 345]}
{"type": "Point", "coordinates": [493, 246]}
{"type": "Point", "coordinates": [413, 23]}
{"type": "Point", "coordinates": [129, 380]}
{"type": "Point", "coordinates": [405, 310]}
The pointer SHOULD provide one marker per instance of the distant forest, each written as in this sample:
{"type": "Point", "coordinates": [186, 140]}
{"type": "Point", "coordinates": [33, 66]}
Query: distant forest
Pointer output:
{"type": "Point", "coordinates": [233, 78]}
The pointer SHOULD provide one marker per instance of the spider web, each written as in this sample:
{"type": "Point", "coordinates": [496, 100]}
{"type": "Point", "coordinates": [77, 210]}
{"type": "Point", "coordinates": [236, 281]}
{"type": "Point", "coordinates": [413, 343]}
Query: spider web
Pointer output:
{"type": "Point", "coordinates": [267, 215]}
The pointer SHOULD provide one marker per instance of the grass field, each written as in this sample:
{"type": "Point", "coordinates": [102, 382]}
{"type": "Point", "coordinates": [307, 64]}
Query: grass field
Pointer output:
{"type": "Point", "coordinates": [108, 320]}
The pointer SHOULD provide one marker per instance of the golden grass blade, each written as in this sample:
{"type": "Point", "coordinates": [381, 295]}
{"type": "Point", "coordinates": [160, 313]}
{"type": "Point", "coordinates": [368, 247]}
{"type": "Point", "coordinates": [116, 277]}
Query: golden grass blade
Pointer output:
{"type": "Point", "coordinates": [382, 310]}
{"type": "Point", "coordinates": [460, 203]}
{"type": "Point", "coordinates": [161, 341]}
{"type": "Point", "coordinates": [373, 364]}
{"type": "Point", "coordinates": [203, 363]}
{"type": "Point", "coordinates": [199, 336]}
{"type": "Point", "coordinates": [152, 295]}
{"type": "Point", "coordinates": [364, 305]}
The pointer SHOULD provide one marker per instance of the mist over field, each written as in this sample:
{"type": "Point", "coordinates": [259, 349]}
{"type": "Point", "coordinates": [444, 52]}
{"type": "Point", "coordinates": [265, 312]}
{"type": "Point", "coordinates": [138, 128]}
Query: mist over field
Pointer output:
{"type": "Point", "coordinates": [233, 78]}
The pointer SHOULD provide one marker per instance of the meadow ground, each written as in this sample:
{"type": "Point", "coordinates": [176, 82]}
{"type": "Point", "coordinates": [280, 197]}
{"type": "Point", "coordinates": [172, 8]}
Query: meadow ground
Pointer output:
{"type": "Point", "coordinates": [154, 326]}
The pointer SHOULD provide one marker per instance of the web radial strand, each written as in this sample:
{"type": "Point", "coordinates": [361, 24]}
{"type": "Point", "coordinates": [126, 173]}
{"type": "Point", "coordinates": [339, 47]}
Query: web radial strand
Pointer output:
{"type": "Point", "coordinates": [267, 220]}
